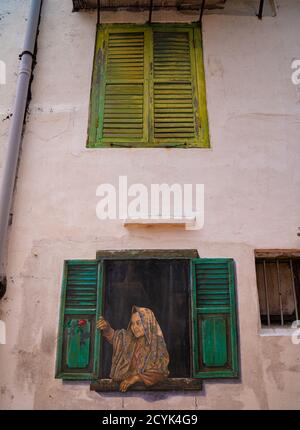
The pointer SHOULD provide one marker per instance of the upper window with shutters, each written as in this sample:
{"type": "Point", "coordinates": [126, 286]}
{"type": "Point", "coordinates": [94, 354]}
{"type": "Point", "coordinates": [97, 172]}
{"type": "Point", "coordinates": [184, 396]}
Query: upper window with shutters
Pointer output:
{"type": "Point", "coordinates": [148, 87]}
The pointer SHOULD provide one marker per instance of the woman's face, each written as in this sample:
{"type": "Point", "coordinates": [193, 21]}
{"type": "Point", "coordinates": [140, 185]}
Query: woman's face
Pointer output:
{"type": "Point", "coordinates": [136, 325]}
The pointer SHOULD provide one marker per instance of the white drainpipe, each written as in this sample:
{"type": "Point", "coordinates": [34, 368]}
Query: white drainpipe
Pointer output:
{"type": "Point", "coordinates": [15, 133]}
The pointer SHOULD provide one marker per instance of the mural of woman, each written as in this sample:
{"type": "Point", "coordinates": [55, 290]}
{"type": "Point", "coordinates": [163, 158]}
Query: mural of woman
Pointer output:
{"type": "Point", "coordinates": [139, 353]}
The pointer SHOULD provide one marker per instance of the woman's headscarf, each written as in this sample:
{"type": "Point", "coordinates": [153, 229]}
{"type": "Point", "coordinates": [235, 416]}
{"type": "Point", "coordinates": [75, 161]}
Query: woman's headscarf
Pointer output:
{"type": "Point", "coordinates": [153, 356]}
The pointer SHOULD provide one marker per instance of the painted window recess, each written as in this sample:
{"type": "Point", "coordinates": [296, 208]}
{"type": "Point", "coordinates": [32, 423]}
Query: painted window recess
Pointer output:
{"type": "Point", "coordinates": [141, 97]}
{"type": "Point", "coordinates": [213, 310]}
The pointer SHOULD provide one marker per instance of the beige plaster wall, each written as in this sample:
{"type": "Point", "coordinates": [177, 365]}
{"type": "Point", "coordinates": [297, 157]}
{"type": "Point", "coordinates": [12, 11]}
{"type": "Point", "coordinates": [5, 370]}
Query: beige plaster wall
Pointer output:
{"type": "Point", "coordinates": [251, 177]}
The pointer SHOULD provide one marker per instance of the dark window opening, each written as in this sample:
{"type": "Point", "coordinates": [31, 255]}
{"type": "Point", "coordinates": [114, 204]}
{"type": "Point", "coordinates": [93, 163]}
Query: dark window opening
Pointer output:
{"type": "Point", "coordinates": [162, 286]}
{"type": "Point", "coordinates": [278, 282]}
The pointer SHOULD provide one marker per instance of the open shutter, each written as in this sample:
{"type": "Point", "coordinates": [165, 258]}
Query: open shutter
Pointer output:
{"type": "Point", "coordinates": [148, 87]}
{"type": "Point", "coordinates": [78, 339]}
{"type": "Point", "coordinates": [175, 102]}
{"type": "Point", "coordinates": [124, 90]}
{"type": "Point", "coordinates": [215, 347]}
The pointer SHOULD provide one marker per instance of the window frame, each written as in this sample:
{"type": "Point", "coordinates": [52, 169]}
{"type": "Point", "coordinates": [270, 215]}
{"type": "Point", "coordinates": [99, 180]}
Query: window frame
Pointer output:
{"type": "Point", "coordinates": [98, 82]}
{"type": "Point", "coordinates": [277, 256]}
{"type": "Point", "coordinates": [194, 382]}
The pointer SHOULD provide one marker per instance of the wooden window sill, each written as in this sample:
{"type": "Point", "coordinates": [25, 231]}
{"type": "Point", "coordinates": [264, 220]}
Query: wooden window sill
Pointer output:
{"type": "Point", "coordinates": [171, 384]}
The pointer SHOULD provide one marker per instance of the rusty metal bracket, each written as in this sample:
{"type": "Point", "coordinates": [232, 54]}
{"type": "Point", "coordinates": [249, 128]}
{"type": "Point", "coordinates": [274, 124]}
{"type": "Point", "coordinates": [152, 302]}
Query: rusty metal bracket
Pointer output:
{"type": "Point", "coordinates": [261, 9]}
{"type": "Point", "coordinates": [26, 52]}
{"type": "Point", "coordinates": [201, 11]}
{"type": "Point", "coordinates": [98, 12]}
{"type": "Point", "coordinates": [150, 12]}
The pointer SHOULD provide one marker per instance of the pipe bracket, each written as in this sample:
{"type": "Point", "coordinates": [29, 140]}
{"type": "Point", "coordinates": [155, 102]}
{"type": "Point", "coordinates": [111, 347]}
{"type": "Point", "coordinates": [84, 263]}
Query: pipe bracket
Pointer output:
{"type": "Point", "coordinates": [26, 52]}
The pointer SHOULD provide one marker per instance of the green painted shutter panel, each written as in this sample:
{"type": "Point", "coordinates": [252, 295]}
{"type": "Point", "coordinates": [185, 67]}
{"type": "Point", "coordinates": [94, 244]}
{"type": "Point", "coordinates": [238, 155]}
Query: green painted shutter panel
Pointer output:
{"type": "Point", "coordinates": [215, 345]}
{"type": "Point", "coordinates": [78, 339]}
{"type": "Point", "coordinates": [78, 343]}
{"type": "Point", "coordinates": [175, 103]}
{"type": "Point", "coordinates": [123, 109]}
{"type": "Point", "coordinates": [148, 87]}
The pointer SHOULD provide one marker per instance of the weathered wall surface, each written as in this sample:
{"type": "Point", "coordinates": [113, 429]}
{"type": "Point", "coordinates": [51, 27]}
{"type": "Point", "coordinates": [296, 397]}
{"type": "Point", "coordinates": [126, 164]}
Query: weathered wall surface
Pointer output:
{"type": "Point", "coordinates": [252, 198]}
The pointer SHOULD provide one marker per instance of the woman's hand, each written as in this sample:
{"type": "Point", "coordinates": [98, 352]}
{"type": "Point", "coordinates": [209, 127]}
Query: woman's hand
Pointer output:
{"type": "Point", "coordinates": [102, 324]}
{"type": "Point", "coordinates": [128, 382]}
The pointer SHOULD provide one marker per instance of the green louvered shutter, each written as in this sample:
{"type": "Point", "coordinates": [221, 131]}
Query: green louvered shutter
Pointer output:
{"type": "Point", "coordinates": [175, 101]}
{"type": "Point", "coordinates": [124, 91]}
{"type": "Point", "coordinates": [215, 344]}
{"type": "Point", "coordinates": [148, 87]}
{"type": "Point", "coordinates": [78, 347]}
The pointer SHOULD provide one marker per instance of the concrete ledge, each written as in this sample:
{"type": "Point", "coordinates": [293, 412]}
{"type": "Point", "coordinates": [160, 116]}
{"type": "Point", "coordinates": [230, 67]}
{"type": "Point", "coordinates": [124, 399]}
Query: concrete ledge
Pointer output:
{"type": "Point", "coordinates": [184, 222]}
{"type": "Point", "coordinates": [171, 384]}
{"type": "Point", "coordinates": [277, 331]}
{"type": "Point", "coordinates": [128, 254]}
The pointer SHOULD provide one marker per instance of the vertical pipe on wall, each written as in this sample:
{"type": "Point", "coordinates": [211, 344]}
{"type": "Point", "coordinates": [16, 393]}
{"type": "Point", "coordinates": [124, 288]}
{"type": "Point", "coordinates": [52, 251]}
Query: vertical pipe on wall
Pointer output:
{"type": "Point", "coordinates": [15, 132]}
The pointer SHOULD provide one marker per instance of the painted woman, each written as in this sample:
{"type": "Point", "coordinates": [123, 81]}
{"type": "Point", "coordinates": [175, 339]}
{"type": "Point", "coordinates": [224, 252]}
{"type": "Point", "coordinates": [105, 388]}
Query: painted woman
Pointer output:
{"type": "Point", "coordinates": [139, 353]}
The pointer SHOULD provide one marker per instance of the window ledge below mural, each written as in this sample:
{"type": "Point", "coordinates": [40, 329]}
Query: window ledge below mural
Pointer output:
{"type": "Point", "coordinates": [171, 384]}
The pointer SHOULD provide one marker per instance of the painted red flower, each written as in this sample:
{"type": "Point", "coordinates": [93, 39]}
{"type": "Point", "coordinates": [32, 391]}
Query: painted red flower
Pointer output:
{"type": "Point", "coordinates": [82, 323]}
